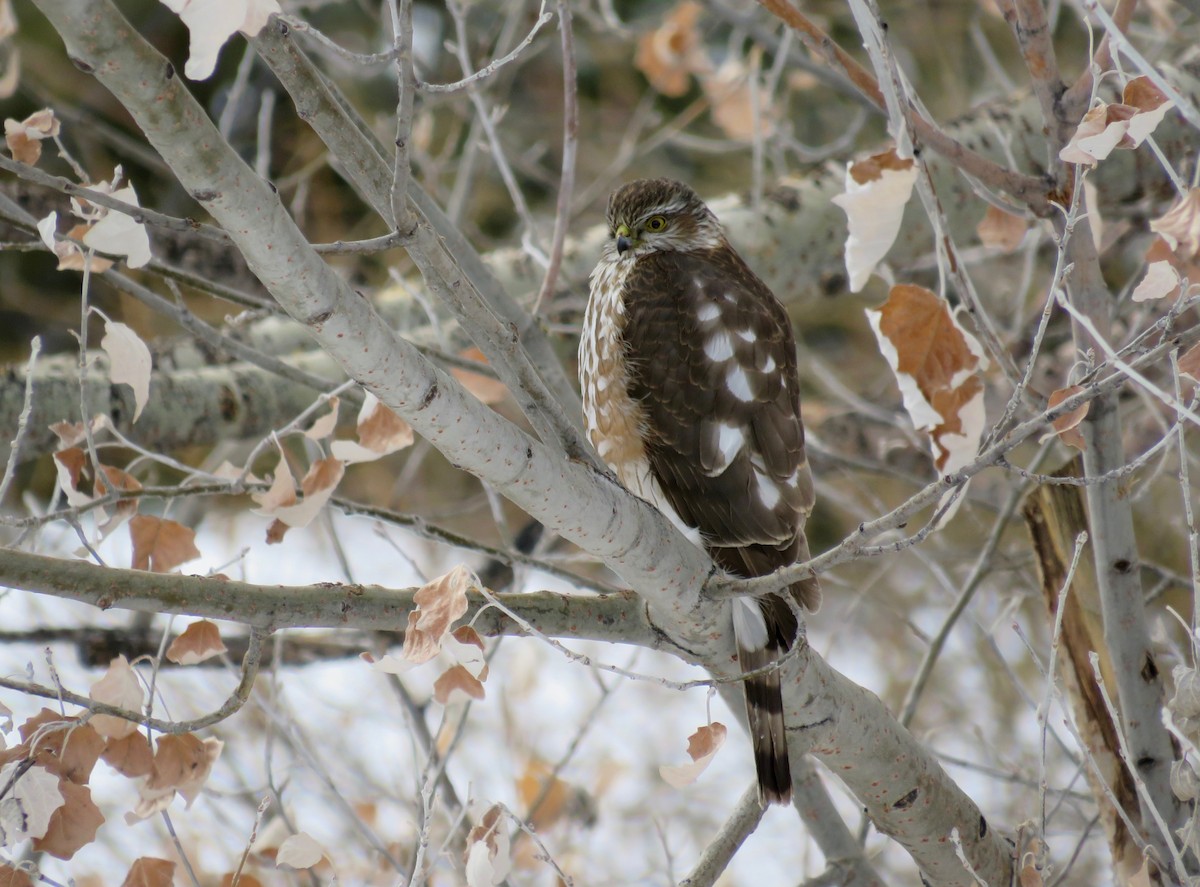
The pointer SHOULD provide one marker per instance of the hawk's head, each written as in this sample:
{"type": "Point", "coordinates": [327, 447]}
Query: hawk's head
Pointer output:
{"type": "Point", "coordinates": [658, 215]}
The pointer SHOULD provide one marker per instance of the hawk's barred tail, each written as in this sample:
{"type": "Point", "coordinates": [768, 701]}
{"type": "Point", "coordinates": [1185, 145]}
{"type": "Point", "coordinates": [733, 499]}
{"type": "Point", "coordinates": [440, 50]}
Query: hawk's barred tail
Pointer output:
{"type": "Point", "coordinates": [763, 638]}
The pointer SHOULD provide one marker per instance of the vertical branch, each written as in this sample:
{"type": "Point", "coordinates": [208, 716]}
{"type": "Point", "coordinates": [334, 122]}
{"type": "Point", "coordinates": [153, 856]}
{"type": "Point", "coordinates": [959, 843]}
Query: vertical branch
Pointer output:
{"type": "Point", "coordinates": [566, 184]}
{"type": "Point", "coordinates": [406, 83]}
{"type": "Point", "coordinates": [1126, 636]}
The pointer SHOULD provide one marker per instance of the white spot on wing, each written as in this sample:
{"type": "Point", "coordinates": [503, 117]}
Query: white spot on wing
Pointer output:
{"type": "Point", "coordinates": [708, 311]}
{"type": "Point", "coordinates": [730, 441]}
{"type": "Point", "coordinates": [719, 346]}
{"type": "Point", "coordinates": [739, 384]}
{"type": "Point", "coordinates": [768, 364]}
{"type": "Point", "coordinates": [768, 493]}
{"type": "Point", "coordinates": [747, 335]}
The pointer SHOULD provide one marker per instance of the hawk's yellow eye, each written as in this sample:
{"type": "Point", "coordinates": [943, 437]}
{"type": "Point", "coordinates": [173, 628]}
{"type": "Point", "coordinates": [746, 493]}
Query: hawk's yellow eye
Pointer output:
{"type": "Point", "coordinates": [656, 223]}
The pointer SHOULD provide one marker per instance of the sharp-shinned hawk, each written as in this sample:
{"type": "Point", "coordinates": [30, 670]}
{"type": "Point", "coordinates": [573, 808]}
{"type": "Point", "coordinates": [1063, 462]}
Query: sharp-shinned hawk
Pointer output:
{"type": "Point", "coordinates": [688, 369]}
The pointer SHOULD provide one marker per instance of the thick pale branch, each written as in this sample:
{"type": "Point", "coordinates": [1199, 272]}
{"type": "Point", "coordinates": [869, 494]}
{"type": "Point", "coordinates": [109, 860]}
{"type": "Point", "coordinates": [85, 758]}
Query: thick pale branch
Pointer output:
{"type": "Point", "coordinates": [616, 618]}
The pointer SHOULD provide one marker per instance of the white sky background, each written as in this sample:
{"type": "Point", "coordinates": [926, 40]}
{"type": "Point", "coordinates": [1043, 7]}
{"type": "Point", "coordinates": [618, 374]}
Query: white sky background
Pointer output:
{"type": "Point", "coordinates": [645, 832]}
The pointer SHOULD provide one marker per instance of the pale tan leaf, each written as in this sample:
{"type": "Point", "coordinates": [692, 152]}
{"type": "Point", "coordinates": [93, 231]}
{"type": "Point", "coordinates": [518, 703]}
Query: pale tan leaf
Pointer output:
{"type": "Point", "coordinates": [282, 492]}
{"type": "Point", "coordinates": [120, 234]}
{"type": "Point", "coordinates": [1152, 105]}
{"type": "Point", "coordinates": [702, 746]}
{"type": "Point", "coordinates": [30, 803]}
{"type": "Point", "coordinates": [324, 426]}
{"type": "Point", "coordinates": [936, 363]}
{"type": "Point", "coordinates": [1180, 225]}
{"type": "Point", "coordinates": [129, 361]}
{"type": "Point", "coordinates": [150, 872]}
{"type": "Point", "coordinates": [318, 486]}
{"type": "Point", "coordinates": [1001, 230]}
{"type": "Point", "coordinates": [877, 190]}
{"type": "Point", "coordinates": [160, 545]}
{"type": "Point", "coordinates": [380, 432]}
{"type": "Point", "coordinates": [440, 603]}
{"type": "Point", "coordinates": [558, 798]}
{"type": "Point", "coordinates": [24, 137]}
{"type": "Point", "coordinates": [211, 25]}
{"type": "Point", "coordinates": [119, 687]}
{"type": "Point", "coordinates": [73, 825]}
{"type": "Point", "coordinates": [199, 642]}
{"type": "Point", "coordinates": [455, 685]}
{"type": "Point", "coordinates": [1161, 280]}
{"type": "Point", "coordinates": [1066, 426]}
{"type": "Point", "coordinates": [300, 851]}
{"type": "Point", "coordinates": [465, 647]}
{"type": "Point", "coordinates": [488, 854]}
{"type": "Point", "coordinates": [730, 96]}
{"type": "Point", "coordinates": [1102, 129]}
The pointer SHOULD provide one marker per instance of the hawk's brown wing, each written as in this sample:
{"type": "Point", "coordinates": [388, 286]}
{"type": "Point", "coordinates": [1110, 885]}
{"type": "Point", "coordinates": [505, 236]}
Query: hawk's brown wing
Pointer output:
{"type": "Point", "coordinates": [712, 360]}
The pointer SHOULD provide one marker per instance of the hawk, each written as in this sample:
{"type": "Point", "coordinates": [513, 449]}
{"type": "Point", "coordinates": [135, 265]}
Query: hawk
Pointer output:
{"type": "Point", "coordinates": [687, 366]}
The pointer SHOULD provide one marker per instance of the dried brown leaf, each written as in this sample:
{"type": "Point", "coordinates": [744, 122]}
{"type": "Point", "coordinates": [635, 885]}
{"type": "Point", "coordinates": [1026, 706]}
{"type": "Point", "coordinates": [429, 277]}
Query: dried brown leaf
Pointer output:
{"type": "Point", "coordinates": [1180, 225]}
{"type": "Point", "coordinates": [440, 603]}
{"type": "Point", "coordinates": [73, 825]}
{"type": "Point", "coordinates": [200, 641]}
{"type": "Point", "coordinates": [130, 755]}
{"type": "Point", "coordinates": [63, 746]}
{"type": "Point", "coordinates": [1189, 362]}
{"type": "Point", "coordinates": [1001, 230]}
{"type": "Point", "coordinates": [150, 872]}
{"type": "Point", "coordinates": [1067, 425]}
{"type": "Point", "coordinates": [702, 746]}
{"type": "Point", "coordinates": [24, 137]}
{"type": "Point", "coordinates": [160, 544]}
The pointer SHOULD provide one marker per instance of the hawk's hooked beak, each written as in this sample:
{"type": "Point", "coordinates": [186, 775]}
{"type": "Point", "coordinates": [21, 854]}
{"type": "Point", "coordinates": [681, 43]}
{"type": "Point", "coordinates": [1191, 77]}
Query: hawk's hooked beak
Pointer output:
{"type": "Point", "coordinates": [624, 239]}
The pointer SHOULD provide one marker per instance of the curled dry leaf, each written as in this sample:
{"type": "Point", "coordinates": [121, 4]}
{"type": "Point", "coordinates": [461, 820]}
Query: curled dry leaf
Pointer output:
{"type": "Point", "coordinates": [150, 872]}
{"type": "Point", "coordinates": [200, 641]}
{"type": "Point", "coordinates": [114, 479]}
{"type": "Point", "coordinates": [24, 137]}
{"type": "Point", "coordinates": [702, 746]}
{"type": "Point", "coordinates": [29, 803]}
{"type": "Point", "coordinates": [70, 256]}
{"type": "Point", "coordinates": [1001, 230]}
{"type": "Point", "coordinates": [1123, 125]}
{"type": "Point", "coordinates": [69, 464]}
{"type": "Point", "coordinates": [324, 426]}
{"type": "Point", "coordinates": [182, 763]}
{"type": "Point", "coordinates": [282, 491]}
{"type": "Point", "coordinates": [160, 545]}
{"type": "Point", "coordinates": [73, 825]}
{"type": "Point", "coordinates": [1180, 225]}
{"type": "Point", "coordinates": [936, 363]}
{"type": "Point", "coordinates": [318, 486]}
{"type": "Point", "coordinates": [129, 361]}
{"type": "Point", "coordinates": [380, 432]}
{"type": "Point", "coordinates": [210, 25]}
{"type": "Point", "coordinates": [488, 854]}
{"type": "Point", "coordinates": [1066, 426]}
{"type": "Point", "coordinates": [440, 603]}
{"type": "Point", "coordinates": [558, 798]}
{"type": "Point", "coordinates": [300, 851]}
{"type": "Point", "coordinates": [877, 190]}
{"type": "Point", "coordinates": [119, 687]}
{"type": "Point", "coordinates": [671, 53]}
